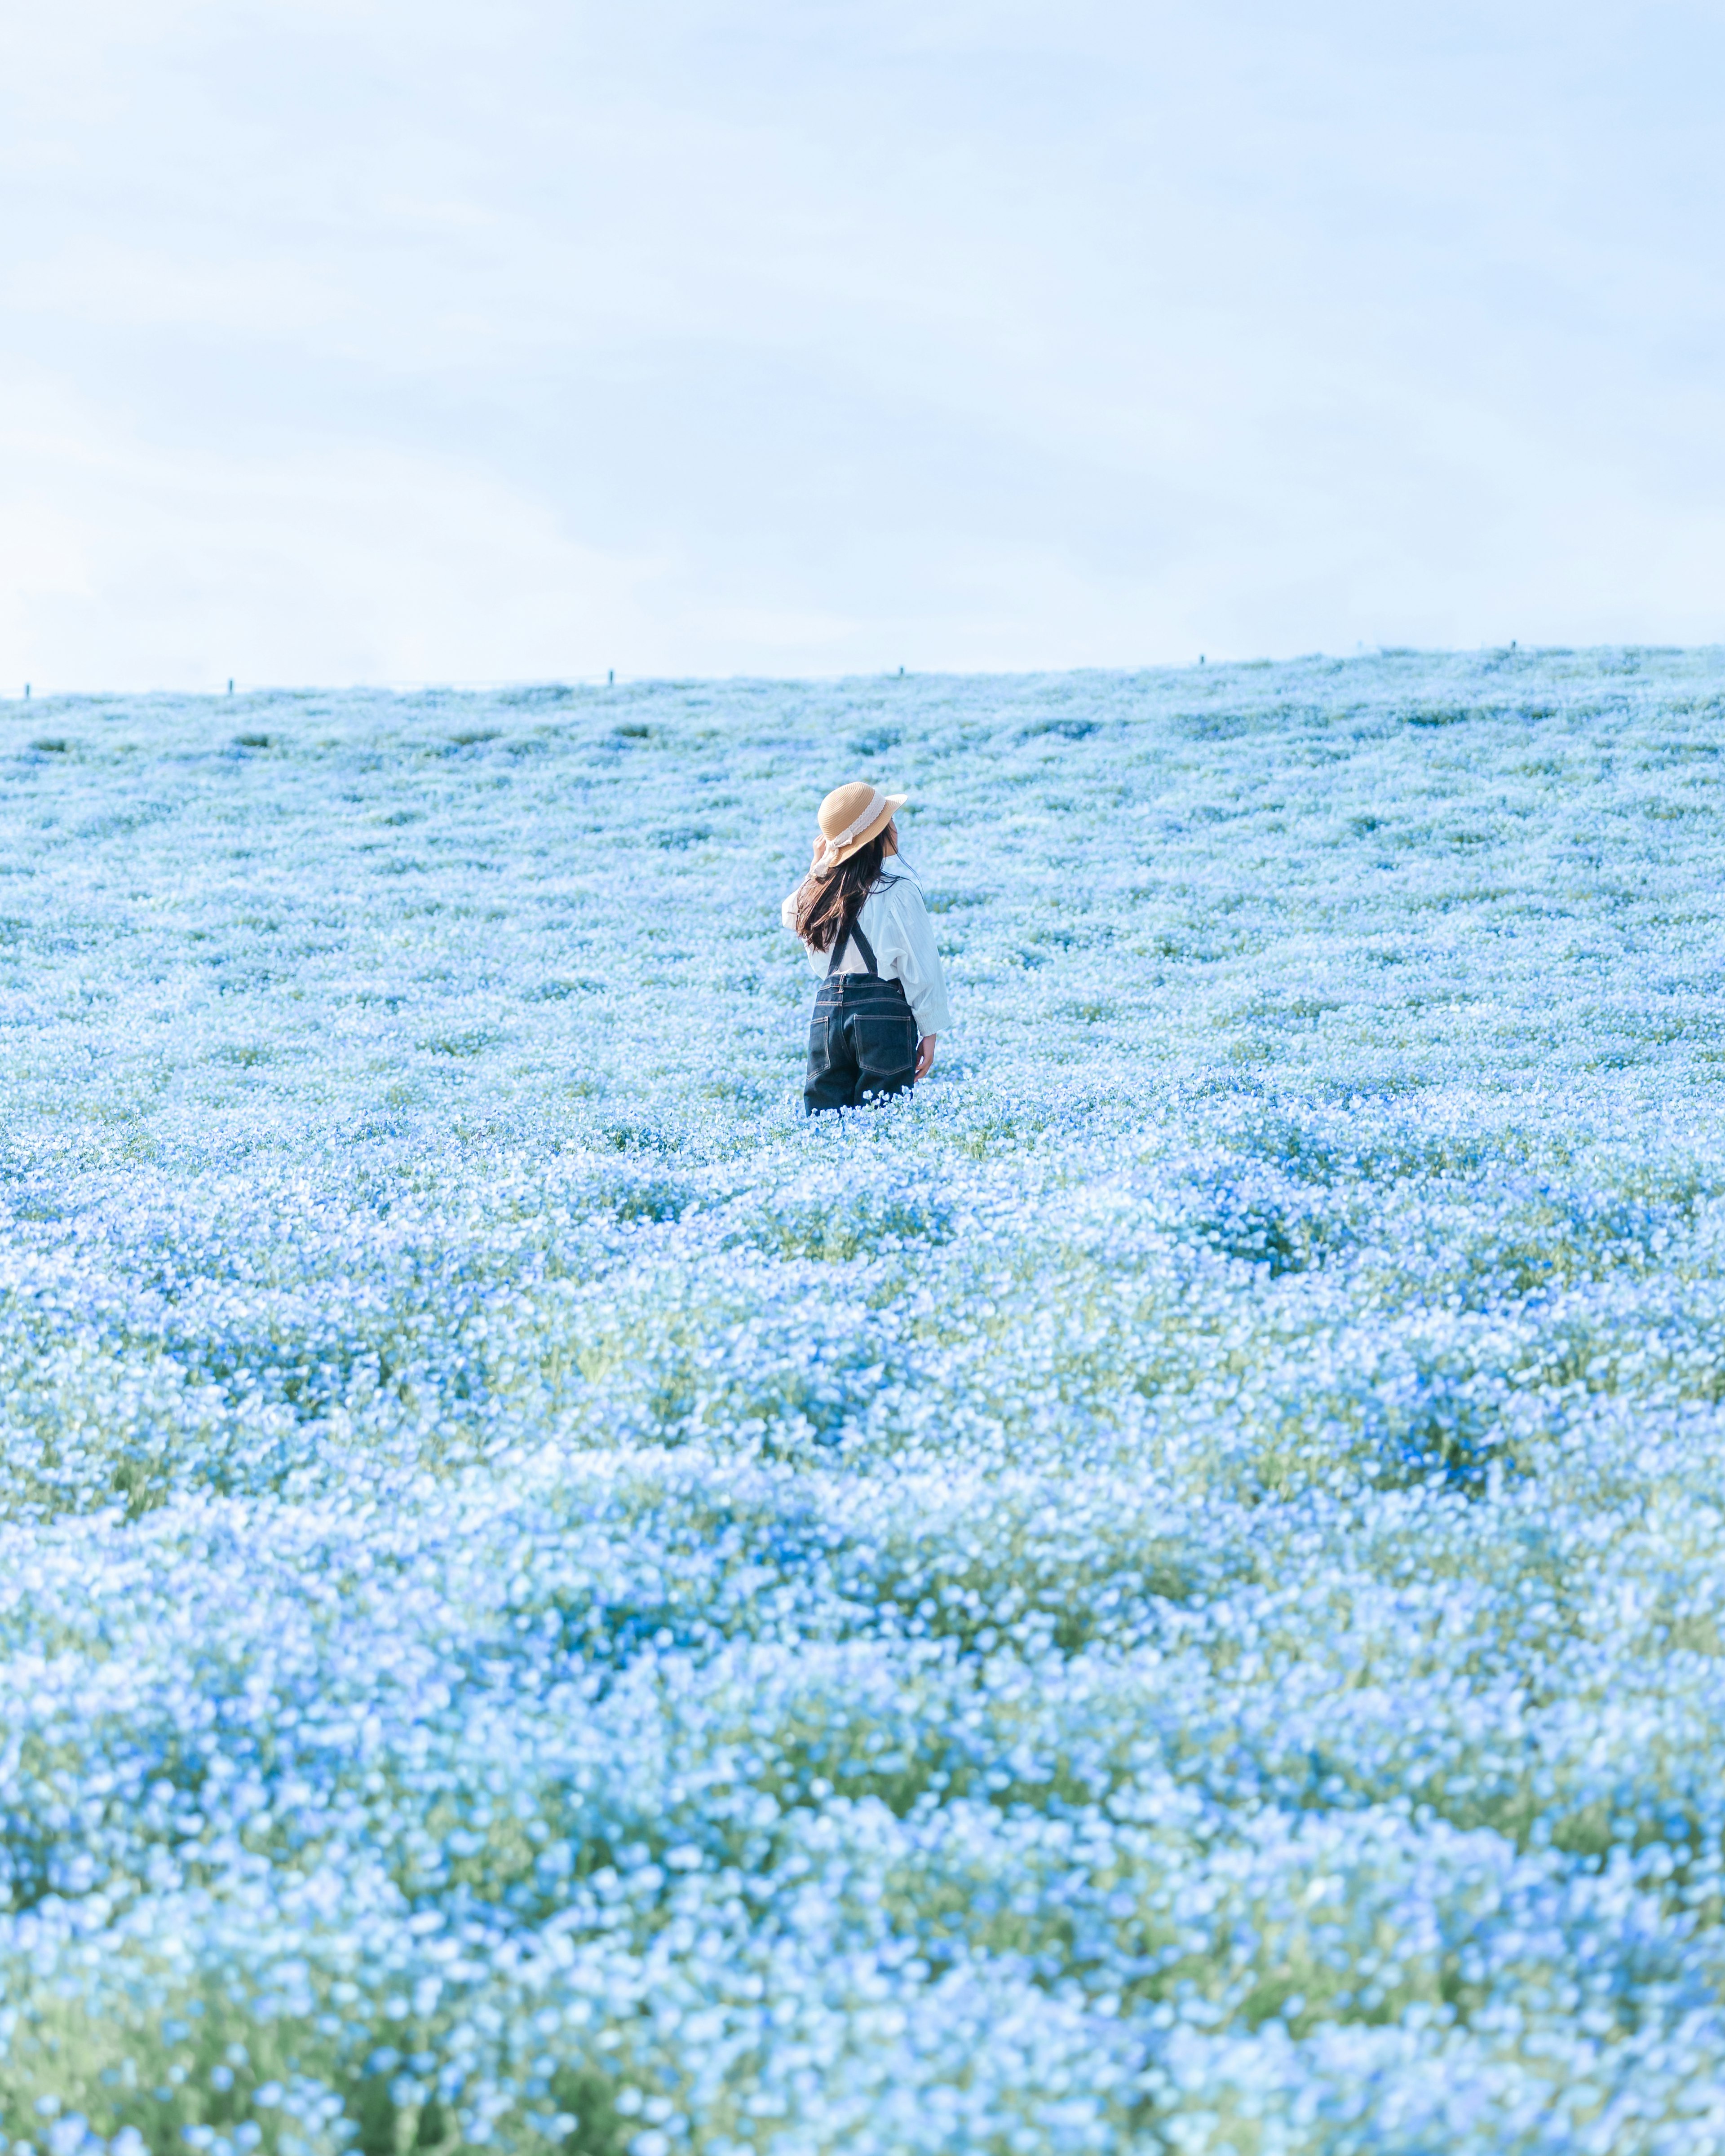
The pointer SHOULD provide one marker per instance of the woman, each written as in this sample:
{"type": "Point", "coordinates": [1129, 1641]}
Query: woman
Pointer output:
{"type": "Point", "coordinates": [883, 1001]}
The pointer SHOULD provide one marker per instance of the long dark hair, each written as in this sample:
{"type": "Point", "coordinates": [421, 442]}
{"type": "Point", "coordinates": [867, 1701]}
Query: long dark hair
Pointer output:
{"type": "Point", "coordinates": [828, 905]}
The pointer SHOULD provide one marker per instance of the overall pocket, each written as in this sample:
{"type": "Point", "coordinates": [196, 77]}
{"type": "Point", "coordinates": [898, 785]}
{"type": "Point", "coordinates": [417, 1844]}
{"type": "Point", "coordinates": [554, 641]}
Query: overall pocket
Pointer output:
{"type": "Point", "coordinates": [884, 1042]}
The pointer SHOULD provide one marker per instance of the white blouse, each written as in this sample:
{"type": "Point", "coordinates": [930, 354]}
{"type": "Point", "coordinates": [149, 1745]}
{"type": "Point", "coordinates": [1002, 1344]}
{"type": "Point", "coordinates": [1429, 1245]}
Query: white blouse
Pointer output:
{"type": "Point", "coordinates": [895, 921]}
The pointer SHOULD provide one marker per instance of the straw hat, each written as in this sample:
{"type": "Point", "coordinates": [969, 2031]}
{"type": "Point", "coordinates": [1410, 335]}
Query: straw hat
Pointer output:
{"type": "Point", "coordinates": [848, 818]}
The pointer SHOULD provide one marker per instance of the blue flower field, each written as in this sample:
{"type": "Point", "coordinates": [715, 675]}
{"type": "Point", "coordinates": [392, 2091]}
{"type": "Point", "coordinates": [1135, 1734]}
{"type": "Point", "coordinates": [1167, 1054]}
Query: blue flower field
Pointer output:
{"type": "Point", "coordinates": [1165, 1594]}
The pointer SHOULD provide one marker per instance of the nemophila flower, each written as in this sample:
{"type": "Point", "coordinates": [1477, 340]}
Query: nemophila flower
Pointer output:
{"type": "Point", "coordinates": [1163, 1591]}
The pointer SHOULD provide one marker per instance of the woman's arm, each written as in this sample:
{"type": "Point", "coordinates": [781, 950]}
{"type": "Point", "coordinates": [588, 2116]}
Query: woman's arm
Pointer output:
{"type": "Point", "coordinates": [788, 915]}
{"type": "Point", "coordinates": [919, 968]}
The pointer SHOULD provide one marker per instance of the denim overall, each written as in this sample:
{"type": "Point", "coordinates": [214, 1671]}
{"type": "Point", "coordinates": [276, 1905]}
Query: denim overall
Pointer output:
{"type": "Point", "coordinates": [862, 1039]}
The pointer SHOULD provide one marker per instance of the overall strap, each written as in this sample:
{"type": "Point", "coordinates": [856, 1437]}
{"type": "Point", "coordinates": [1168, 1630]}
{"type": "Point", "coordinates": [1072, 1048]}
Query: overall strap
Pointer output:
{"type": "Point", "coordinates": [852, 928]}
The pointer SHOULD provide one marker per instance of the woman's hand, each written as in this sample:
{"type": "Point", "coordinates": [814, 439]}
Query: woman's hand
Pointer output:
{"type": "Point", "coordinates": [925, 1055]}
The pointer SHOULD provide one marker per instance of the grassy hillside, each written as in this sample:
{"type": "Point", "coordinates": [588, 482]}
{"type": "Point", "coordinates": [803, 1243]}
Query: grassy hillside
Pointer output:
{"type": "Point", "coordinates": [1168, 1594]}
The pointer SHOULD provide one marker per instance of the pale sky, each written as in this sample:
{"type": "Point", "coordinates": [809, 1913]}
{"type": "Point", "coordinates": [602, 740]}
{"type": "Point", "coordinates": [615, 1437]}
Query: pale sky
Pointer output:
{"type": "Point", "coordinates": [357, 341]}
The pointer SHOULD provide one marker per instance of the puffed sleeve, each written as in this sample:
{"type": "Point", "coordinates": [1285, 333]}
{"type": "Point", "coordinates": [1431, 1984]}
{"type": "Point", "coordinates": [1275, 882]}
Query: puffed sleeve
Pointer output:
{"type": "Point", "coordinates": [919, 962]}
